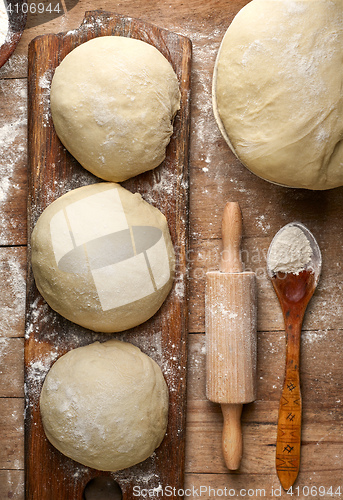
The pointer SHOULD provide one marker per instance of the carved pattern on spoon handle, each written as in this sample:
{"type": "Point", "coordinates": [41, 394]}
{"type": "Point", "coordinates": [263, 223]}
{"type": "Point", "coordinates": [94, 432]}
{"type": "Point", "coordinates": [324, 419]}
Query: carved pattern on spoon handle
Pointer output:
{"type": "Point", "coordinates": [289, 430]}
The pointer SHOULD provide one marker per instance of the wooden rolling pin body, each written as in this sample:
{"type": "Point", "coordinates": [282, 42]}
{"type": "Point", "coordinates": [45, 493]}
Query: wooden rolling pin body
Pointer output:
{"type": "Point", "coordinates": [231, 336]}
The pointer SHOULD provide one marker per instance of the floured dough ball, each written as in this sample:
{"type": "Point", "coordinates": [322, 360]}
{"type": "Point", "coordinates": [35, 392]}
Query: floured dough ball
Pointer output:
{"type": "Point", "coordinates": [278, 95]}
{"type": "Point", "coordinates": [102, 257]}
{"type": "Point", "coordinates": [113, 100]}
{"type": "Point", "coordinates": [105, 405]}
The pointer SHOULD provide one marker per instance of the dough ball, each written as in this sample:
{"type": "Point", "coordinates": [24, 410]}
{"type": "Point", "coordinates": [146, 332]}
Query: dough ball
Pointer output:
{"type": "Point", "coordinates": [105, 405]}
{"type": "Point", "coordinates": [113, 100]}
{"type": "Point", "coordinates": [278, 95]}
{"type": "Point", "coordinates": [102, 257]}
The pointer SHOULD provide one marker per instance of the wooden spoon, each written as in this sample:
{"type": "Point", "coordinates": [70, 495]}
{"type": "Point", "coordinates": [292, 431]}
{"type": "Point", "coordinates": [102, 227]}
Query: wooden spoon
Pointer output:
{"type": "Point", "coordinates": [294, 292]}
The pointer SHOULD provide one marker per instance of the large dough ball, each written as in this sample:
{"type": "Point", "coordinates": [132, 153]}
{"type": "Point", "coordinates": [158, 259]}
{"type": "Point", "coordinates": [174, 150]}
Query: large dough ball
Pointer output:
{"type": "Point", "coordinates": [278, 93]}
{"type": "Point", "coordinates": [105, 405]}
{"type": "Point", "coordinates": [113, 100]}
{"type": "Point", "coordinates": [102, 257]}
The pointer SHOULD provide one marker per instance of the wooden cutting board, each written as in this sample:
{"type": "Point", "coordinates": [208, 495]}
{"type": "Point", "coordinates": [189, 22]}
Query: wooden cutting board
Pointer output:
{"type": "Point", "coordinates": [52, 172]}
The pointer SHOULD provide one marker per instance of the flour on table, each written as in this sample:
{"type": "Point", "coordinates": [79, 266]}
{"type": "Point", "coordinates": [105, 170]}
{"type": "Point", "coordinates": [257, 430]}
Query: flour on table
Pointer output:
{"type": "Point", "coordinates": [12, 158]}
{"type": "Point", "coordinates": [290, 252]}
{"type": "Point", "coordinates": [3, 22]}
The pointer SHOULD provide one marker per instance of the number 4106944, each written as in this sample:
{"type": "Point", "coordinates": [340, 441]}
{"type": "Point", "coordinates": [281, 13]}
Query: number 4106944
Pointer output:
{"type": "Point", "coordinates": [313, 491]}
{"type": "Point", "coordinates": [34, 8]}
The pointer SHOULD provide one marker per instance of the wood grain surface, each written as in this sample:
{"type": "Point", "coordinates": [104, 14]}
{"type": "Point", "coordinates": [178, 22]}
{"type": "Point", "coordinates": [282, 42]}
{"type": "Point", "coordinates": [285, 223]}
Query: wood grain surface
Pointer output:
{"type": "Point", "coordinates": [216, 176]}
{"type": "Point", "coordinates": [52, 172]}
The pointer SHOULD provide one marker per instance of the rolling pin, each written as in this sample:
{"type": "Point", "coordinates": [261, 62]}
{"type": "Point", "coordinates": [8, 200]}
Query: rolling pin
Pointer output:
{"type": "Point", "coordinates": [230, 318]}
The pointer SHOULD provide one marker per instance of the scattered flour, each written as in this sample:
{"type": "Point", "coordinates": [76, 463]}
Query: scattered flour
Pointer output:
{"type": "Point", "coordinates": [36, 373]}
{"type": "Point", "coordinates": [12, 155]}
{"type": "Point", "coordinates": [262, 224]}
{"type": "Point", "coordinates": [312, 337]}
{"type": "Point", "coordinates": [15, 67]}
{"type": "Point", "coordinates": [4, 344]}
{"type": "Point", "coordinates": [45, 85]}
{"type": "Point", "coordinates": [290, 251]}
{"type": "Point", "coordinates": [39, 368]}
{"type": "Point", "coordinates": [12, 303]}
{"type": "Point", "coordinates": [179, 290]}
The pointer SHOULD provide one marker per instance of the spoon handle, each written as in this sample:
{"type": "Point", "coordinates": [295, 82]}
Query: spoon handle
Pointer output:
{"type": "Point", "coordinates": [289, 422]}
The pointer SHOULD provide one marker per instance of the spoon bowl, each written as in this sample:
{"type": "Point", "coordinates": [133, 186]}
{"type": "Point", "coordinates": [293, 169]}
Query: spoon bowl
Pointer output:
{"type": "Point", "coordinates": [314, 264]}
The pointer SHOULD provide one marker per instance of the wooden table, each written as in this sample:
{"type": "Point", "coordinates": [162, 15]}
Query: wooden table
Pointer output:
{"type": "Point", "coordinates": [215, 177]}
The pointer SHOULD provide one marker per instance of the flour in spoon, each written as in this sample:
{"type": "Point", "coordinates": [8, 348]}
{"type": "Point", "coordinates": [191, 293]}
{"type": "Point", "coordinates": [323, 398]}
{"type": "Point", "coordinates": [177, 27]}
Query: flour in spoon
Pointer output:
{"type": "Point", "coordinates": [3, 21]}
{"type": "Point", "coordinates": [290, 252]}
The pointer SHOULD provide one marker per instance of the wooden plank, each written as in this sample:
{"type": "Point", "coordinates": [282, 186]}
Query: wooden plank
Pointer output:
{"type": "Point", "coordinates": [322, 438]}
{"type": "Point", "coordinates": [320, 375]}
{"type": "Point", "coordinates": [321, 379]}
{"type": "Point", "coordinates": [217, 176]}
{"type": "Point", "coordinates": [11, 432]}
{"type": "Point", "coordinates": [322, 386]}
{"type": "Point", "coordinates": [207, 486]}
{"type": "Point", "coordinates": [12, 291]}
{"type": "Point", "coordinates": [323, 415]}
{"type": "Point", "coordinates": [11, 367]}
{"type": "Point", "coordinates": [322, 313]}
{"type": "Point", "coordinates": [48, 335]}
{"type": "Point", "coordinates": [316, 485]}
{"type": "Point", "coordinates": [274, 208]}
{"type": "Point", "coordinates": [13, 158]}
{"type": "Point", "coordinates": [12, 484]}
{"type": "Point", "coordinates": [16, 66]}
{"type": "Point", "coordinates": [325, 309]}
{"type": "Point", "coordinates": [205, 21]}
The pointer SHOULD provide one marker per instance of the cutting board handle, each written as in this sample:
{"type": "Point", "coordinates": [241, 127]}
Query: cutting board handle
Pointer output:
{"type": "Point", "coordinates": [231, 261]}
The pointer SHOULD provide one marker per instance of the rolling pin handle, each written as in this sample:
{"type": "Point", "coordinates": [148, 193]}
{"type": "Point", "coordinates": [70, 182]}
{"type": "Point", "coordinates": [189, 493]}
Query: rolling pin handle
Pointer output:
{"type": "Point", "coordinates": [231, 236]}
{"type": "Point", "coordinates": [232, 441]}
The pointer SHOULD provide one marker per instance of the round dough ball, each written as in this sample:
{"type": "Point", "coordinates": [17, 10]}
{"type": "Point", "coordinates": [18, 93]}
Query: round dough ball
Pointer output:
{"type": "Point", "coordinates": [102, 257]}
{"type": "Point", "coordinates": [278, 95]}
{"type": "Point", "coordinates": [105, 405]}
{"type": "Point", "coordinates": [113, 100]}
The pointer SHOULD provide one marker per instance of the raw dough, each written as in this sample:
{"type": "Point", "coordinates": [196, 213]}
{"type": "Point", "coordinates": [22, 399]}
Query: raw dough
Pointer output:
{"type": "Point", "coordinates": [113, 100]}
{"type": "Point", "coordinates": [278, 95]}
{"type": "Point", "coordinates": [105, 405]}
{"type": "Point", "coordinates": [102, 257]}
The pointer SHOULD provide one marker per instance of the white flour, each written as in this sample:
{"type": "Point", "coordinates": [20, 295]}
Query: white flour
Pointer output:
{"type": "Point", "coordinates": [3, 21]}
{"type": "Point", "coordinates": [290, 252]}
